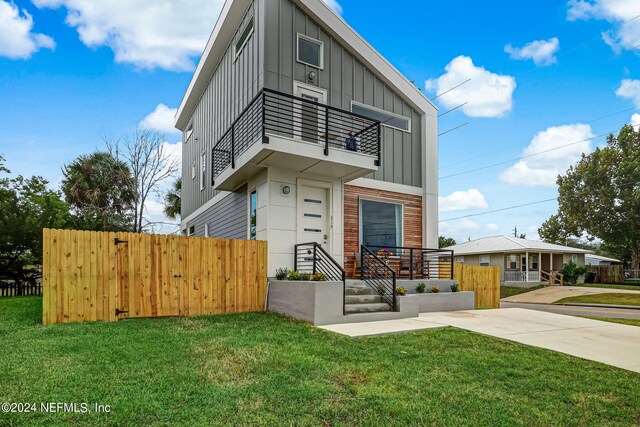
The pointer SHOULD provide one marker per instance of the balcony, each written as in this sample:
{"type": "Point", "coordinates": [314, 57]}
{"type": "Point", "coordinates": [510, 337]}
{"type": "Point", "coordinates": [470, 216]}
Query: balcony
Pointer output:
{"type": "Point", "coordinates": [277, 129]}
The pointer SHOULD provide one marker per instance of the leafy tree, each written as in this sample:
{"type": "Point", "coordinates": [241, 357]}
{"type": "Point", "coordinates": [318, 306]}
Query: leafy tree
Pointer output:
{"type": "Point", "coordinates": [444, 242]}
{"type": "Point", "coordinates": [149, 163]}
{"type": "Point", "coordinates": [600, 197]}
{"type": "Point", "coordinates": [99, 189]}
{"type": "Point", "coordinates": [26, 207]}
{"type": "Point", "coordinates": [172, 200]}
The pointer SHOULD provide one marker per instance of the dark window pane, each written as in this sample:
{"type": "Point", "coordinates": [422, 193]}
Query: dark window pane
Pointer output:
{"type": "Point", "coordinates": [381, 225]}
{"type": "Point", "coordinates": [252, 212]}
{"type": "Point", "coordinates": [309, 52]}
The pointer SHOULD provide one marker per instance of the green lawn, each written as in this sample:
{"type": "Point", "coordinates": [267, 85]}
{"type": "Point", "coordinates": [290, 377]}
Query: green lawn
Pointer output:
{"type": "Point", "coordinates": [508, 291]}
{"type": "Point", "coordinates": [612, 298]}
{"type": "Point", "coordinates": [598, 285]}
{"type": "Point", "coordinates": [263, 369]}
{"type": "Point", "coordinates": [632, 322]}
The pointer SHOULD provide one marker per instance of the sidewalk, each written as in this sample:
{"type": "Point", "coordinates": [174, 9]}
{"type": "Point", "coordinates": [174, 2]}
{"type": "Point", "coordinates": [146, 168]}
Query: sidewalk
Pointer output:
{"type": "Point", "coordinates": [554, 293]}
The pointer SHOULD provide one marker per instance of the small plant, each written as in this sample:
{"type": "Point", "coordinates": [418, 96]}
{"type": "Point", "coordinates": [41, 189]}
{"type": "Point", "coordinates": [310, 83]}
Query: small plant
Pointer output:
{"type": "Point", "coordinates": [385, 253]}
{"type": "Point", "coordinates": [400, 290]}
{"type": "Point", "coordinates": [319, 277]}
{"type": "Point", "coordinates": [282, 273]}
{"type": "Point", "coordinates": [420, 287]}
{"type": "Point", "coordinates": [293, 275]}
{"type": "Point", "coordinates": [572, 272]}
{"type": "Point", "coordinates": [435, 289]}
{"type": "Point", "coordinates": [454, 288]}
{"type": "Point", "coordinates": [305, 277]}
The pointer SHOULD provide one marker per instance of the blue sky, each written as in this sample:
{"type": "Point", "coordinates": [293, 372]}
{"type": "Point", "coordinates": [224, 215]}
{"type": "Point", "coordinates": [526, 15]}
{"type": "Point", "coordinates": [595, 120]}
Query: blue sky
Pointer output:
{"type": "Point", "coordinates": [543, 75]}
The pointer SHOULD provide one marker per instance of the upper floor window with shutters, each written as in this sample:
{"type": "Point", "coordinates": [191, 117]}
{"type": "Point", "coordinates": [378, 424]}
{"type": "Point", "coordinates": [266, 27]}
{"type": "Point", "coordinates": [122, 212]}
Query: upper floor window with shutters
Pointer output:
{"type": "Point", "coordinates": [243, 39]}
{"type": "Point", "coordinates": [310, 51]}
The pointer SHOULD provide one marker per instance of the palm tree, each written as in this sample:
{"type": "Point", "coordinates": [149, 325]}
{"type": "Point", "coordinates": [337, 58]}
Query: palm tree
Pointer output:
{"type": "Point", "coordinates": [172, 200]}
{"type": "Point", "coordinates": [100, 189]}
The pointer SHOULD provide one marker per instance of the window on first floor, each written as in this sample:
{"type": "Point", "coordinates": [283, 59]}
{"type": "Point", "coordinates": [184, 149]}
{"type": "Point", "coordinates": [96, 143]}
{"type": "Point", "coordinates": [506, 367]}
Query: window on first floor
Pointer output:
{"type": "Point", "coordinates": [191, 231]}
{"type": "Point", "coordinates": [574, 259]}
{"type": "Point", "coordinates": [381, 224]}
{"type": "Point", "coordinates": [534, 262]}
{"type": "Point", "coordinates": [459, 259]}
{"type": "Point", "coordinates": [485, 260]}
{"type": "Point", "coordinates": [253, 202]}
{"type": "Point", "coordinates": [513, 262]}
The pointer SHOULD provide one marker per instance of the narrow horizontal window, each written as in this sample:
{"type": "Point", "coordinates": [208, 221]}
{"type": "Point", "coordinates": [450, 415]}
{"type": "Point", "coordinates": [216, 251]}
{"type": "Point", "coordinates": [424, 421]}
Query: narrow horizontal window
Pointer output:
{"type": "Point", "coordinates": [310, 51]}
{"type": "Point", "coordinates": [387, 119]}
{"type": "Point", "coordinates": [244, 38]}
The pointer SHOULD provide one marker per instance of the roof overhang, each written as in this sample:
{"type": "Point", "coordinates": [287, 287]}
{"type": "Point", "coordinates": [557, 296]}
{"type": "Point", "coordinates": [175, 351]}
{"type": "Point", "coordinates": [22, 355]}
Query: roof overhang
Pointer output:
{"type": "Point", "coordinates": [232, 13]}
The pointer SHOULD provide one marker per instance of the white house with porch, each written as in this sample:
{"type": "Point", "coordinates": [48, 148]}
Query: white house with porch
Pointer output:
{"type": "Point", "coordinates": [522, 262]}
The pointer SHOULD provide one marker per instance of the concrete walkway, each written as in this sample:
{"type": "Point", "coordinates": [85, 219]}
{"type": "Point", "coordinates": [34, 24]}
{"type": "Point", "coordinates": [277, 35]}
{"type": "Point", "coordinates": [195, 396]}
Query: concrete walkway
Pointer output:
{"type": "Point", "coordinates": [552, 294]}
{"type": "Point", "coordinates": [610, 343]}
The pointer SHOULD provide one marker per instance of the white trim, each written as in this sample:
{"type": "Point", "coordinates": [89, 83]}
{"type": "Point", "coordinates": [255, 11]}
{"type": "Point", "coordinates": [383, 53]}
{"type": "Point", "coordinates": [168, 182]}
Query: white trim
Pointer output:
{"type": "Point", "coordinates": [298, 90]}
{"type": "Point", "coordinates": [202, 209]}
{"type": "Point", "coordinates": [328, 187]}
{"type": "Point", "coordinates": [380, 200]}
{"type": "Point", "coordinates": [237, 52]}
{"type": "Point", "coordinates": [380, 110]}
{"type": "Point", "coordinates": [232, 14]}
{"type": "Point", "coordinates": [375, 184]}
{"type": "Point", "coordinates": [312, 40]}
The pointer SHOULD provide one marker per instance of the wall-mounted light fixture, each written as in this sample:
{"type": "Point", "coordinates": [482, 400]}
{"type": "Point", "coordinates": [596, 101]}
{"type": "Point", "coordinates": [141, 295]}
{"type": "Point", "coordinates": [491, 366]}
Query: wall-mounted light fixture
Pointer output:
{"type": "Point", "coordinates": [286, 190]}
{"type": "Point", "coordinates": [312, 75]}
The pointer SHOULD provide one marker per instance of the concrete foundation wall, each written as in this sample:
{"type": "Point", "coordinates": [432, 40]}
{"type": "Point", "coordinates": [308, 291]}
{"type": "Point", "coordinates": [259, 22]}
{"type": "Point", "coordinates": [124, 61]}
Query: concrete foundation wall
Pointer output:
{"type": "Point", "coordinates": [443, 301]}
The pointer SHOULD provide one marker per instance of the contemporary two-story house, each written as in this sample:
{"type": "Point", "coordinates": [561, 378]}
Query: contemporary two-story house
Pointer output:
{"type": "Point", "coordinates": [296, 130]}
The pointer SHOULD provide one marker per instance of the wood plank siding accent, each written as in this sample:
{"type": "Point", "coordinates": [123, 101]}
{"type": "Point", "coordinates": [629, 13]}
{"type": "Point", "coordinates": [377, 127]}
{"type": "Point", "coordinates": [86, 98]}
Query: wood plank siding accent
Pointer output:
{"type": "Point", "coordinates": [412, 218]}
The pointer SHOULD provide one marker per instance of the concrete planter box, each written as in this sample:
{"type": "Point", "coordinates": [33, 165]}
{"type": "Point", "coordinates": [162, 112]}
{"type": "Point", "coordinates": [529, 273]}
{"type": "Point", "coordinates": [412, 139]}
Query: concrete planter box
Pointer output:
{"type": "Point", "coordinates": [442, 301]}
{"type": "Point", "coordinates": [410, 285]}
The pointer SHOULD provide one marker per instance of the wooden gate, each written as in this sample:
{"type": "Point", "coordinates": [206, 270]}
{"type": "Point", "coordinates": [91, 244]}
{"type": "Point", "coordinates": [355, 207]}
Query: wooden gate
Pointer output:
{"type": "Point", "coordinates": [90, 276]}
{"type": "Point", "coordinates": [483, 281]}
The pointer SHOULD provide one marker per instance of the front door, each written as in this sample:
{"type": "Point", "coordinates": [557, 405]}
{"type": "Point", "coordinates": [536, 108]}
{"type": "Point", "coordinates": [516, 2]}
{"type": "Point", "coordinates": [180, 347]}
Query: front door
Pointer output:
{"type": "Point", "coordinates": [309, 117]}
{"type": "Point", "coordinates": [313, 214]}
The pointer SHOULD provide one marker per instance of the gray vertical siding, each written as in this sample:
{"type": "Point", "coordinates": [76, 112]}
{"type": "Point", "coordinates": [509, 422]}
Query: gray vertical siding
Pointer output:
{"type": "Point", "coordinates": [227, 219]}
{"type": "Point", "coordinates": [345, 79]}
{"type": "Point", "coordinates": [233, 85]}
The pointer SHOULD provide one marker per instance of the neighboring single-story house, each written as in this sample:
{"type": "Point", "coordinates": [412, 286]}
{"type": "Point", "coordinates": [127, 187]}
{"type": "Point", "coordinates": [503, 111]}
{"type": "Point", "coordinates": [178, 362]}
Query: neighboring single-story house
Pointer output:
{"type": "Point", "coordinates": [520, 260]}
{"type": "Point", "coordinates": [592, 259]}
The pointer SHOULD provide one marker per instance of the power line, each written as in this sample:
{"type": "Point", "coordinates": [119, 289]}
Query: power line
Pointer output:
{"type": "Point", "coordinates": [498, 210]}
{"type": "Point", "coordinates": [453, 109]}
{"type": "Point", "coordinates": [447, 91]}
{"type": "Point", "coordinates": [455, 128]}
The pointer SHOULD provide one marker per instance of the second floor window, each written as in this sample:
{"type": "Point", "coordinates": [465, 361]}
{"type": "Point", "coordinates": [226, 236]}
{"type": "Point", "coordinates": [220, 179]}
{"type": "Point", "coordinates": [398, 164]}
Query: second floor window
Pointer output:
{"type": "Point", "coordinates": [203, 170]}
{"type": "Point", "coordinates": [310, 51]}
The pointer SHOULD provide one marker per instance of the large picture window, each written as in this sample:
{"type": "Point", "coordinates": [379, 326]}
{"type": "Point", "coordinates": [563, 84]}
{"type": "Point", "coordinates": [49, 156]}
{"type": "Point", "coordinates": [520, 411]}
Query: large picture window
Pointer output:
{"type": "Point", "coordinates": [380, 224]}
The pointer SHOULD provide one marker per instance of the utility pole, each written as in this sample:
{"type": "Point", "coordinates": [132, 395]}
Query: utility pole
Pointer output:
{"type": "Point", "coordinates": [515, 231]}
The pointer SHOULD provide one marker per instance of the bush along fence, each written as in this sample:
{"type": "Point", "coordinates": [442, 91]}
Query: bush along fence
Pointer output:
{"type": "Point", "coordinates": [483, 281]}
{"type": "Point", "coordinates": [15, 290]}
{"type": "Point", "coordinates": [91, 276]}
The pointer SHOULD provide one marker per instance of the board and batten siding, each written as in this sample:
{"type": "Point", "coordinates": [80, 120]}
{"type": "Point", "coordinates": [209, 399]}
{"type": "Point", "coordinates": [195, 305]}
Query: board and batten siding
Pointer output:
{"type": "Point", "coordinates": [233, 85]}
{"type": "Point", "coordinates": [227, 219]}
{"type": "Point", "coordinates": [345, 79]}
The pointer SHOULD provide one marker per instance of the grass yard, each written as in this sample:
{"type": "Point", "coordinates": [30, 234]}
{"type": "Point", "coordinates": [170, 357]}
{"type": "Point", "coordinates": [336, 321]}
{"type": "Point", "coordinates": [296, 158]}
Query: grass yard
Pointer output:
{"type": "Point", "coordinates": [631, 322]}
{"type": "Point", "coordinates": [508, 291]}
{"type": "Point", "coordinates": [613, 298]}
{"type": "Point", "coordinates": [624, 287]}
{"type": "Point", "coordinates": [264, 369]}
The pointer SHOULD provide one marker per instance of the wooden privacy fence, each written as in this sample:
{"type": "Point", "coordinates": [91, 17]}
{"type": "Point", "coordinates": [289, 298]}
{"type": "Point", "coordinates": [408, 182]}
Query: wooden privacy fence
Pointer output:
{"type": "Point", "coordinates": [608, 274]}
{"type": "Point", "coordinates": [89, 276]}
{"type": "Point", "coordinates": [483, 281]}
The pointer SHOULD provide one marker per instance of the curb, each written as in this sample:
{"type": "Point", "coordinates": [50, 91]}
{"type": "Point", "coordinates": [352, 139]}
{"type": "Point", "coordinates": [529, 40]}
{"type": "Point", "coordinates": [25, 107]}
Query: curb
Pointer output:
{"type": "Point", "coordinates": [578, 304]}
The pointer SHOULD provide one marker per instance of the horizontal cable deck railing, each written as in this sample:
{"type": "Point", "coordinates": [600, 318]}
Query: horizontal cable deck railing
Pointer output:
{"type": "Point", "coordinates": [417, 263]}
{"type": "Point", "coordinates": [276, 113]}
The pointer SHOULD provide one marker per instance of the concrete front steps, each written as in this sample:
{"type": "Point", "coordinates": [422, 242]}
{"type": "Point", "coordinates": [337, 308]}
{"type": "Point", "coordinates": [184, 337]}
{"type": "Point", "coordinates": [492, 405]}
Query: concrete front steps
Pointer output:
{"type": "Point", "coordinates": [360, 299]}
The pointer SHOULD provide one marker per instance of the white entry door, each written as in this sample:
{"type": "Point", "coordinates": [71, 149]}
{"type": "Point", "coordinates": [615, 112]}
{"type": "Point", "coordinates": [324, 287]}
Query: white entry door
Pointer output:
{"type": "Point", "coordinates": [314, 215]}
{"type": "Point", "coordinates": [309, 118]}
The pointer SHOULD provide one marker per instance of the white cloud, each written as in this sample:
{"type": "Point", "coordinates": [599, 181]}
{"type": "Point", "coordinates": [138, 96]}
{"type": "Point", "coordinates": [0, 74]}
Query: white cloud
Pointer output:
{"type": "Point", "coordinates": [173, 152]}
{"type": "Point", "coordinates": [630, 89]}
{"type": "Point", "coordinates": [487, 94]}
{"type": "Point", "coordinates": [463, 200]}
{"type": "Point", "coordinates": [160, 120]}
{"type": "Point", "coordinates": [17, 41]}
{"type": "Point", "coordinates": [166, 34]}
{"type": "Point", "coordinates": [635, 120]}
{"type": "Point", "coordinates": [333, 4]}
{"type": "Point", "coordinates": [541, 51]}
{"type": "Point", "coordinates": [623, 13]}
{"type": "Point", "coordinates": [543, 169]}
{"type": "Point", "coordinates": [458, 226]}
{"type": "Point", "coordinates": [491, 227]}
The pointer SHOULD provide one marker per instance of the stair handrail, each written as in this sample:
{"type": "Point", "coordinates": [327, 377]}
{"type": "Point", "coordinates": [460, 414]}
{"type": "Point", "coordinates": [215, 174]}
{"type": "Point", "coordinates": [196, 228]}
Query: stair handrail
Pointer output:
{"type": "Point", "coordinates": [376, 282]}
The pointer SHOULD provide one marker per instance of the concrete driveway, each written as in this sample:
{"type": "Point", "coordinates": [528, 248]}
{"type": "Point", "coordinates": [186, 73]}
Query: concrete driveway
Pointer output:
{"type": "Point", "coordinates": [610, 343]}
{"type": "Point", "coordinates": [552, 294]}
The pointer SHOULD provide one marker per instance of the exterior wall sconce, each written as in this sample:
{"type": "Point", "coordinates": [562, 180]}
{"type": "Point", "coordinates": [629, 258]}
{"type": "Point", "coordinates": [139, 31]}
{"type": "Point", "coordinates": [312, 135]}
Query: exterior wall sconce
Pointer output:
{"type": "Point", "coordinates": [312, 76]}
{"type": "Point", "coordinates": [286, 190]}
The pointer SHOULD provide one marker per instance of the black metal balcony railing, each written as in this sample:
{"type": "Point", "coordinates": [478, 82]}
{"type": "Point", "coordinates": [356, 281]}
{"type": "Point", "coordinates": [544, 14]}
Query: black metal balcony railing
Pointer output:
{"type": "Point", "coordinates": [418, 263]}
{"type": "Point", "coordinates": [280, 114]}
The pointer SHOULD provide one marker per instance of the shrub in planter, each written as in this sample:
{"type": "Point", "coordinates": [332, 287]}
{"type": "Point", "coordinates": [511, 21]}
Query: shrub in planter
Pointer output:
{"type": "Point", "coordinates": [420, 287]}
{"type": "Point", "coordinates": [400, 290]}
{"type": "Point", "coordinates": [318, 277]}
{"type": "Point", "coordinates": [282, 273]}
{"type": "Point", "coordinates": [435, 289]}
{"type": "Point", "coordinates": [294, 276]}
{"type": "Point", "coordinates": [454, 288]}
